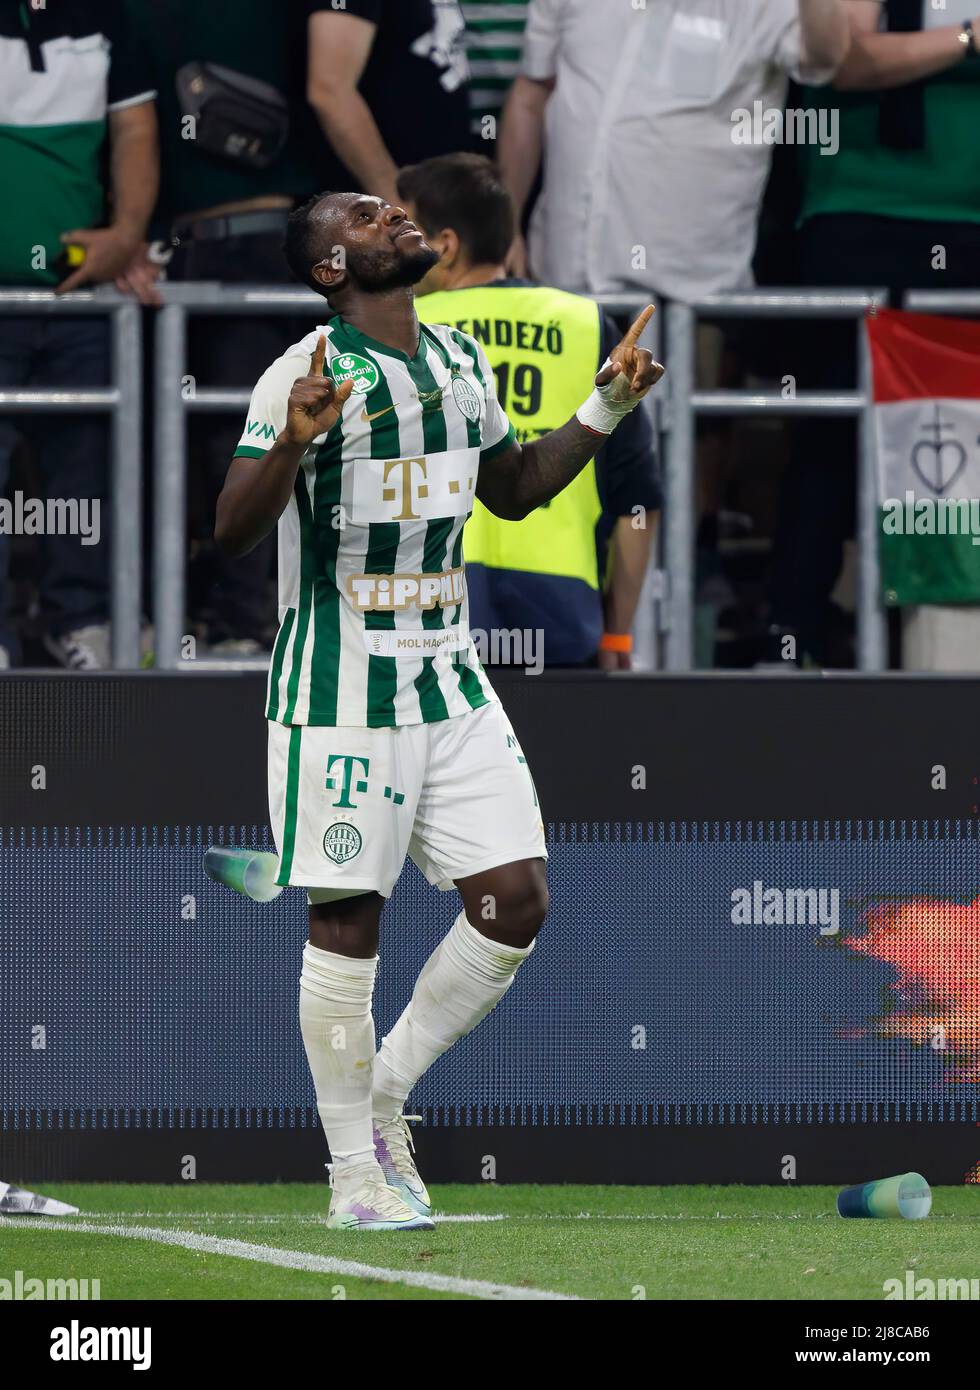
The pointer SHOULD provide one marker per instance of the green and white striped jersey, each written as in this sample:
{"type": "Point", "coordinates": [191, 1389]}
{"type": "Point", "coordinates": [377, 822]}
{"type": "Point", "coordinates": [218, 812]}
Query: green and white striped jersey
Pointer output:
{"type": "Point", "coordinates": [494, 46]}
{"type": "Point", "coordinates": [372, 590]}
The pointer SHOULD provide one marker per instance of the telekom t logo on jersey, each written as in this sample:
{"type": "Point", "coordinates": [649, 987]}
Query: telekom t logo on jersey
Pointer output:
{"type": "Point", "coordinates": [346, 782]}
{"type": "Point", "coordinates": [407, 491]}
{"type": "Point", "coordinates": [390, 494]}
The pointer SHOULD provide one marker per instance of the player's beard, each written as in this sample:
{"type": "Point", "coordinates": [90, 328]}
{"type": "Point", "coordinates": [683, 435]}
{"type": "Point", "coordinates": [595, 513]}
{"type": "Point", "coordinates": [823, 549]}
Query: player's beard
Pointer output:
{"type": "Point", "coordinates": [376, 272]}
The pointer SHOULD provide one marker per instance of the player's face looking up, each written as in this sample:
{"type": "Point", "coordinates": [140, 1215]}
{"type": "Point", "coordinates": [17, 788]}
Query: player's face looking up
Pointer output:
{"type": "Point", "coordinates": [381, 249]}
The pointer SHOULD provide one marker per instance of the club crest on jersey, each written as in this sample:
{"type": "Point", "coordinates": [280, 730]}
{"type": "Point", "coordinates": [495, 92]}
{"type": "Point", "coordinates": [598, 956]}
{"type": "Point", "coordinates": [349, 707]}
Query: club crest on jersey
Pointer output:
{"type": "Point", "coordinates": [342, 842]}
{"type": "Point", "coordinates": [349, 366]}
{"type": "Point", "coordinates": [466, 398]}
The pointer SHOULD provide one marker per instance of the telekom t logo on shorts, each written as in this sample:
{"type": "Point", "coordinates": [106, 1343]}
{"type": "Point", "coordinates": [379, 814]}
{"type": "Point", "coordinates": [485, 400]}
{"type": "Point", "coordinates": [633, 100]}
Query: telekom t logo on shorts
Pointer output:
{"type": "Point", "coordinates": [346, 782]}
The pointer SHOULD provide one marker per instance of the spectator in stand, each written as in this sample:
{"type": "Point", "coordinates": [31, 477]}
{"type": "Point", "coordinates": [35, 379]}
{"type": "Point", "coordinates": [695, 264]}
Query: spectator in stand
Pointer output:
{"type": "Point", "coordinates": [387, 80]}
{"type": "Point", "coordinates": [905, 182]}
{"type": "Point", "coordinates": [632, 108]}
{"type": "Point", "coordinates": [75, 85]}
{"type": "Point", "coordinates": [644, 186]}
{"type": "Point", "coordinates": [494, 44]}
{"type": "Point", "coordinates": [572, 570]}
{"type": "Point", "coordinates": [229, 183]}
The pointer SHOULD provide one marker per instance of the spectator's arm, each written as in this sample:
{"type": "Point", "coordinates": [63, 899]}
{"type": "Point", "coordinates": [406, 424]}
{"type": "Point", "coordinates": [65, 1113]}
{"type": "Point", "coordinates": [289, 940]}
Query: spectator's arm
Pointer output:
{"type": "Point", "coordinates": [339, 47]}
{"type": "Point", "coordinates": [134, 180]}
{"type": "Point", "coordinates": [877, 61]}
{"type": "Point", "coordinates": [135, 167]}
{"type": "Point", "coordinates": [521, 137]}
{"type": "Point", "coordinates": [521, 140]}
{"type": "Point", "coordinates": [630, 555]}
{"type": "Point", "coordinates": [825, 33]}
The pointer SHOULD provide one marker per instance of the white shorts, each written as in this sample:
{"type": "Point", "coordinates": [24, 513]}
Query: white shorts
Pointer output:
{"type": "Point", "coordinates": [347, 804]}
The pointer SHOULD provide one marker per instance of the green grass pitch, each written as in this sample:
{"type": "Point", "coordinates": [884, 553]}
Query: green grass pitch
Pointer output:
{"type": "Point", "coordinates": [588, 1242]}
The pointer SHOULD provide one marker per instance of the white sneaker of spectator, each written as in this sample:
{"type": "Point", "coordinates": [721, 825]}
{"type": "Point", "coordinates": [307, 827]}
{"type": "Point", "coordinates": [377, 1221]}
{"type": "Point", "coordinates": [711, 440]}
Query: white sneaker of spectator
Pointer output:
{"type": "Point", "coordinates": [85, 649]}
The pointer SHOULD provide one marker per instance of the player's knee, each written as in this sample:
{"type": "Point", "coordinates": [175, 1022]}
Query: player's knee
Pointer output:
{"type": "Point", "coordinates": [347, 926]}
{"type": "Point", "coordinates": [522, 910]}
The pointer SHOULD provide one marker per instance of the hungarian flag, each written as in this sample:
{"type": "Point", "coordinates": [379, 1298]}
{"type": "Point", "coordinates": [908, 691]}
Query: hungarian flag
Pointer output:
{"type": "Point", "coordinates": [926, 382]}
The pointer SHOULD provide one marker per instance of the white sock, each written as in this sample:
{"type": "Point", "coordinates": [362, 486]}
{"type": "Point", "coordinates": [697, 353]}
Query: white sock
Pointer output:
{"type": "Point", "coordinates": [338, 1034]}
{"type": "Point", "coordinates": [464, 978]}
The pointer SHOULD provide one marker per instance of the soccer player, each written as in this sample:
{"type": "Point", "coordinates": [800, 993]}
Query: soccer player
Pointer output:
{"type": "Point", "coordinates": [367, 442]}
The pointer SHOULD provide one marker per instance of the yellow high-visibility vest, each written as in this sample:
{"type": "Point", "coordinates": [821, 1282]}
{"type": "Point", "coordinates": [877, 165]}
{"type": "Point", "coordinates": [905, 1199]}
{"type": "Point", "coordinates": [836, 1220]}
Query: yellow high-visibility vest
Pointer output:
{"type": "Point", "coordinates": [543, 346]}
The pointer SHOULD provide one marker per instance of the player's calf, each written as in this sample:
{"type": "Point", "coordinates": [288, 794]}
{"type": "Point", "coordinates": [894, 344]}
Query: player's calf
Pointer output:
{"type": "Point", "coordinates": [466, 976]}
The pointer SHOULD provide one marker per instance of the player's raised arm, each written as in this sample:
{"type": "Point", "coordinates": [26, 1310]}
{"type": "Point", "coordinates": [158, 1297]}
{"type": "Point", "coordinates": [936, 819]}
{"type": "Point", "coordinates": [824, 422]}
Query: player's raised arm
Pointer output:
{"type": "Point", "coordinates": [257, 490]}
{"type": "Point", "coordinates": [512, 483]}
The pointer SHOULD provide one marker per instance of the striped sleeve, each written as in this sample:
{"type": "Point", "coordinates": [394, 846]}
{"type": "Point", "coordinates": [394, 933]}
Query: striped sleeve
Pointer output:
{"type": "Point", "coordinates": [267, 409]}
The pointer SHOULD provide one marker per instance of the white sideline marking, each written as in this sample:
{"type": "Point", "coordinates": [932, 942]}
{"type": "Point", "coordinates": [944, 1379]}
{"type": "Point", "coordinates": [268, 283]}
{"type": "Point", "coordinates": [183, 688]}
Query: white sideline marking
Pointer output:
{"type": "Point", "coordinates": [293, 1259]}
{"type": "Point", "coordinates": [317, 1218]}
{"type": "Point", "coordinates": [306, 1218]}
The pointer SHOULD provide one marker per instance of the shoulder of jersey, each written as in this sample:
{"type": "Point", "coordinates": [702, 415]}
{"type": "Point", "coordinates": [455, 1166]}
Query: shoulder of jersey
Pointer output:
{"type": "Point", "coordinates": [453, 338]}
{"type": "Point", "coordinates": [295, 361]}
{"type": "Point", "coordinates": [445, 332]}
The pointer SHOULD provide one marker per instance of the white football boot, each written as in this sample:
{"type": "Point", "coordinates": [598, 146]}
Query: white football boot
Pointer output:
{"type": "Point", "coordinates": [393, 1148]}
{"type": "Point", "coordinates": [361, 1200]}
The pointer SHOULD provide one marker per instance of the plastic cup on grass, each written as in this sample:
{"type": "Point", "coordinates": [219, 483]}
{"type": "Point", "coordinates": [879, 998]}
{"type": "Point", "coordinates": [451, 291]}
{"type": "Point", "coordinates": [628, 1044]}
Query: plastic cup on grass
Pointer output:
{"type": "Point", "coordinates": [905, 1196]}
{"type": "Point", "coordinates": [251, 872]}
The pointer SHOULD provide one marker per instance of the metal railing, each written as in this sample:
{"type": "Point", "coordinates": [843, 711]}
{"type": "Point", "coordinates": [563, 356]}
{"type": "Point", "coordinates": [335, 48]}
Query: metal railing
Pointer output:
{"type": "Point", "coordinates": [648, 624]}
{"type": "Point", "coordinates": [687, 404]}
{"type": "Point", "coordinates": [669, 593]}
{"type": "Point", "coordinates": [175, 398]}
{"type": "Point", "coordinates": [121, 399]}
{"type": "Point", "coordinates": [942, 301]}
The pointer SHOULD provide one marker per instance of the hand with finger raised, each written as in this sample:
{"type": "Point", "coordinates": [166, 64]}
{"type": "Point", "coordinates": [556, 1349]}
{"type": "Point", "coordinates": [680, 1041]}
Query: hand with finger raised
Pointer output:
{"type": "Point", "coordinates": [315, 401]}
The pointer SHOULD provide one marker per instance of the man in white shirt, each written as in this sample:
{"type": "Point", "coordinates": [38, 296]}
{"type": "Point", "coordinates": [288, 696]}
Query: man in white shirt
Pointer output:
{"type": "Point", "coordinates": [631, 105]}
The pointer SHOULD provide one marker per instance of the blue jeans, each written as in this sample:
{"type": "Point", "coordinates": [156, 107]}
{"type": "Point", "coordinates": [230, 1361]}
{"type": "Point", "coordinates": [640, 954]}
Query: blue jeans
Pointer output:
{"type": "Point", "coordinates": [72, 457]}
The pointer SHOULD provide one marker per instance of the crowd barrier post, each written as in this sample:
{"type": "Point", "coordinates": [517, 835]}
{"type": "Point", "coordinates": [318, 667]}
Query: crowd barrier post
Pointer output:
{"type": "Point", "coordinates": [687, 404]}
{"type": "Point", "coordinates": [122, 401]}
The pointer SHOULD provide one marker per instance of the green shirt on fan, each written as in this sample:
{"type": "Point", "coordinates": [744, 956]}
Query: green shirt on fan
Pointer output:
{"type": "Point", "coordinates": [939, 183]}
{"type": "Point", "coordinates": [63, 70]}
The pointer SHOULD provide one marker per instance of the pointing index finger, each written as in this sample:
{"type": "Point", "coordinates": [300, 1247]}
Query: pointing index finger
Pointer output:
{"type": "Point", "coordinates": [633, 336]}
{"type": "Point", "coordinates": [319, 353]}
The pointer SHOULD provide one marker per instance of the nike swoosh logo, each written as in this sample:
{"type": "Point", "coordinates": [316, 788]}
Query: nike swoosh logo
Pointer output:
{"type": "Point", "coordinates": [368, 418]}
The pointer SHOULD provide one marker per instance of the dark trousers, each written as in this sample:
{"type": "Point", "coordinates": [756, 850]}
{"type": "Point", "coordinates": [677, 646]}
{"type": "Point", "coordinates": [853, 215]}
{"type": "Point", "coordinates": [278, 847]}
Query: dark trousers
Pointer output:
{"type": "Point", "coordinates": [72, 457]}
{"type": "Point", "coordinates": [234, 351]}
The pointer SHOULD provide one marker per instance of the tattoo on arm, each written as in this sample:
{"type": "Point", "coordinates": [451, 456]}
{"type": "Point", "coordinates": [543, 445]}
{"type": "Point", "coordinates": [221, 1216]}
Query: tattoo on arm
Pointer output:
{"type": "Point", "coordinates": [524, 477]}
{"type": "Point", "coordinates": [520, 478]}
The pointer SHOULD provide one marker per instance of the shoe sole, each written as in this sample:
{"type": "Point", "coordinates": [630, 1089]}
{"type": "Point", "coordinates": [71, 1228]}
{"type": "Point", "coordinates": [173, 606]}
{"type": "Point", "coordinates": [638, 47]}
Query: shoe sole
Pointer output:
{"type": "Point", "coordinates": [355, 1223]}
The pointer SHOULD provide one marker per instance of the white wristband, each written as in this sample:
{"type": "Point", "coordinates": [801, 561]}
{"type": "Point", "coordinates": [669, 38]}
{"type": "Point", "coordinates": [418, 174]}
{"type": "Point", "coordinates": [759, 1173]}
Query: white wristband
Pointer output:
{"type": "Point", "coordinates": [607, 405]}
